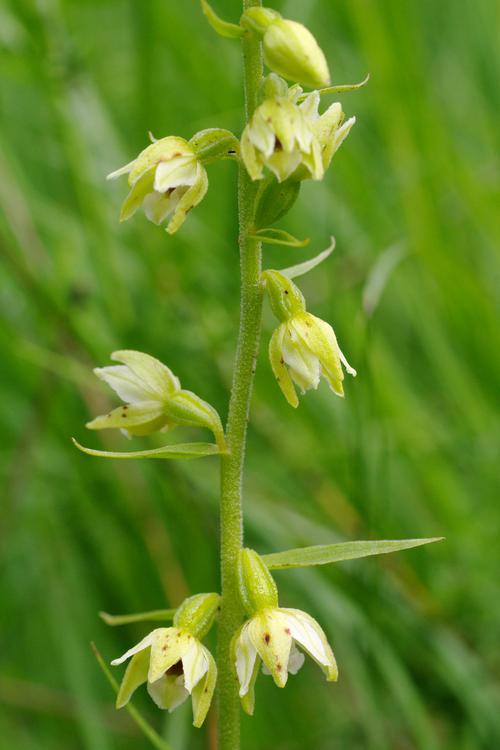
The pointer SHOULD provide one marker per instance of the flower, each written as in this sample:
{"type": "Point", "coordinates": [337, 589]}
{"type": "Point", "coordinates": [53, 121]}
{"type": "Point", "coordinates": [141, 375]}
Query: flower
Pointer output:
{"type": "Point", "coordinates": [175, 664]}
{"type": "Point", "coordinates": [272, 633]}
{"type": "Point", "coordinates": [290, 50]}
{"type": "Point", "coordinates": [167, 179]}
{"type": "Point", "coordinates": [303, 347]}
{"type": "Point", "coordinates": [280, 137]}
{"type": "Point", "coordinates": [331, 129]}
{"type": "Point", "coordinates": [153, 398]}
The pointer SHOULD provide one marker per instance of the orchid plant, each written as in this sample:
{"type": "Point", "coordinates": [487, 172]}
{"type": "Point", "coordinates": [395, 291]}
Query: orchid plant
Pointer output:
{"type": "Point", "coordinates": [285, 141]}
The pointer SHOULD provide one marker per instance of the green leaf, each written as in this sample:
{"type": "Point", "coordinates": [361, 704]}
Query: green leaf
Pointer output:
{"type": "Point", "coordinates": [156, 615]}
{"type": "Point", "coordinates": [301, 268]}
{"type": "Point", "coordinates": [274, 200]}
{"type": "Point", "coordinates": [322, 554]}
{"type": "Point", "coordinates": [182, 450]}
{"type": "Point", "coordinates": [340, 89]}
{"type": "Point", "coordinates": [139, 719]}
{"type": "Point", "coordinates": [223, 28]}
{"type": "Point", "coordinates": [278, 237]}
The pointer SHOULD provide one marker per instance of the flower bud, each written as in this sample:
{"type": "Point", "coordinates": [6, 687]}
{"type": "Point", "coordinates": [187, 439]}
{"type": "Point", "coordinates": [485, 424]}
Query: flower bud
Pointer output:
{"type": "Point", "coordinates": [257, 587]}
{"type": "Point", "coordinates": [285, 297]}
{"type": "Point", "coordinates": [197, 614]}
{"type": "Point", "coordinates": [291, 51]}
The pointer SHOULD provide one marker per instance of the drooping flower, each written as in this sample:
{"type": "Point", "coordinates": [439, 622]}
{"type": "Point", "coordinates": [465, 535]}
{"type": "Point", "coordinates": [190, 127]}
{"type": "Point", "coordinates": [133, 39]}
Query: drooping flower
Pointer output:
{"type": "Point", "coordinates": [279, 136]}
{"type": "Point", "coordinates": [173, 661]}
{"type": "Point", "coordinates": [273, 635]}
{"type": "Point", "coordinates": [303, 347]}
{"type": "Point", "coordinates": [331, 128]}
{"type": "Point", "coordinates": [167, 179]}
{"type": "Point", "coordinates": [153, 398]}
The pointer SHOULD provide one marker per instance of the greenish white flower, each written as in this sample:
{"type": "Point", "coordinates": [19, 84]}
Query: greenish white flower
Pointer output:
{"type": "Point", "coordinates": [279, 136]}
{"type": "Point", "coordinates": [331, 128]}
{"type": "Point", "coordinates": [276, 639]}
{"type": "Point", "coordinates": [167, 179]}
{"type": "Point", "coordinates": [153, 398]}
{"type": "Point", "coordinates": [174, 664]}
{"type": "Point", "coordinates": [303, 348]}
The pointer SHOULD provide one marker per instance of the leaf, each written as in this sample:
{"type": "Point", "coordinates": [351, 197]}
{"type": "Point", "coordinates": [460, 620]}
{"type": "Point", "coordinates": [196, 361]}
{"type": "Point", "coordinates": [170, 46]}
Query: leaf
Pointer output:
{"type": "Point", "coordinates": [342, 88]}
{"type": "Point", "coordinates": [223, 28]}
{"type": "Point", "coordinates": [278, 237]}
{"type": "Point", "coordinates": [156, 615]}
{"type": "Point", "coordinates": [139, 719]}
{"type": "Point", "coordinates": [301, 268]}
{"type": "Point", "coordinates": [322, 554]}
{"type": "Point", "coordinates": [182, 450]}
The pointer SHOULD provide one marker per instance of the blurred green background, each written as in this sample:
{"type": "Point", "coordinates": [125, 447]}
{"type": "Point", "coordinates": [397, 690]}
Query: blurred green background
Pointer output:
{"type": "Point", "coordinates": [413, 293]}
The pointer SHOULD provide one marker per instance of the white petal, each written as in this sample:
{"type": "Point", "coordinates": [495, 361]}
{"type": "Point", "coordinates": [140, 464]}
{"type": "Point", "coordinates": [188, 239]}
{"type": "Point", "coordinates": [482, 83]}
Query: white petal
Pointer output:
{"type": "Point", "coordinates": [168, 692]}
{"type": "Point", "coordinates": [306, 634]}
{"type": "Point", "coordinates": [296, 660]}
{"type": "Point", "coordinates": [194, 664]}
{"type": "Point", "coordinates": [262, 135]}
{"type": "Point", "coordinates": [310, 106]}
{"type": "Point", "coordinates": [158, 206]}
{"type": "Point", "coordinates": [245, 660]}
{"type": "Point", "coordinates": [304, 365]}
{"type": "Point", "coordinates": [173, 173]}
{"type": "Point", "coordinates": [147, 641]}
{"type": "Point", "coordinates": [125, 383]}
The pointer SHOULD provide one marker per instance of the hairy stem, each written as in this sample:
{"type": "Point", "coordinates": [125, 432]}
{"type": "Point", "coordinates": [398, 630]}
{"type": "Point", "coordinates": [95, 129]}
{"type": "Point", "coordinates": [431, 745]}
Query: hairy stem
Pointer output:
{"type": "Point", "coordinates": [231, 510]}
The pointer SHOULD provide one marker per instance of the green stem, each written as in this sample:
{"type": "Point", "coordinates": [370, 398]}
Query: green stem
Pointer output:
{"type": "Point", "coordinates": [231, 511]}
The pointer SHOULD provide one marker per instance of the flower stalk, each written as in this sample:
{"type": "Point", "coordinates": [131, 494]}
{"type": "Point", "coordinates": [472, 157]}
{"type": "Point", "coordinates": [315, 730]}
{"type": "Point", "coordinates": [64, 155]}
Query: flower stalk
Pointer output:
{"type": "Point", "coordinates": [231, 512]}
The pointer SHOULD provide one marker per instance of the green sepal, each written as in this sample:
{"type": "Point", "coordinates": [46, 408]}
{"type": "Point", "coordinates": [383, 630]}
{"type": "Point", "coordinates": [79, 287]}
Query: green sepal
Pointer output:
{"type": "Point", "coordinates": [271, 236]}
{"type": "Point", "coordinates": [223, 28]}
{"type": "Point", "coordinates": [256, 585]}
{"type": "Point", "coordinates": [197, 614]}
{"type": "Point", "coordinates": [203, 692]}
{"type": "Point", "coordinates": [213, 144]}
{"type": "Point", "coordinates": [156, 615]}
{"type": "Point", "coordinates": [182, 450]}
{"type": "Point", "coordinates": [135, 675]}
{"type": "Point", "coordinates": [322, 554]}
{"type": "Point", "coordinates": [274, 200]}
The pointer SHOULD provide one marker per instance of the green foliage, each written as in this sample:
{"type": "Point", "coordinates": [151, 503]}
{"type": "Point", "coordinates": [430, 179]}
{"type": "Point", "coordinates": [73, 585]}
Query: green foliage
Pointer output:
{"type": "Point", "coordinates": [411, 451]}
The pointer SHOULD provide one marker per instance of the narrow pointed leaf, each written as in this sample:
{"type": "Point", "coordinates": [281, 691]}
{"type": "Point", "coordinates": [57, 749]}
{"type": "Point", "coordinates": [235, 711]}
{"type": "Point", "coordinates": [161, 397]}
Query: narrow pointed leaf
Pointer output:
{"type": "Point", "coordinates": [223, 28]}
{"type": "Point", "coordinates": [142, 723]}
{"type": "Point", "coordinates": [322, 554]}
{"type": "Point", "coordinates": [279, 237]}
{"type": "Point", "coordinates": [156, 615]}
{"type": "Point", "coordinates": [301, 268]}
{"type": "Point", "coordinates": [182, 450]}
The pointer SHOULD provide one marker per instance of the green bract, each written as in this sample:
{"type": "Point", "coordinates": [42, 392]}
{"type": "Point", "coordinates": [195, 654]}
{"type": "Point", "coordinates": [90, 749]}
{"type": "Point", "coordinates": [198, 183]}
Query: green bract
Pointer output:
{"type": "Point", "coordinates": [167, 179]}
{"type": "Point", "coordinates": [153, 399]}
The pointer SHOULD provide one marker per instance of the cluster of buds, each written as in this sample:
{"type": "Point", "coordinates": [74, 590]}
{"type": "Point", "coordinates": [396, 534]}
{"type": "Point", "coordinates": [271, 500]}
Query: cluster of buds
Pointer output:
{"type": "Point", "coordinates": [153, 399]}
{"type": "Point", "coordinates": [174, 663]}
{"type": "Point", "coordinates": [303, 347]}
